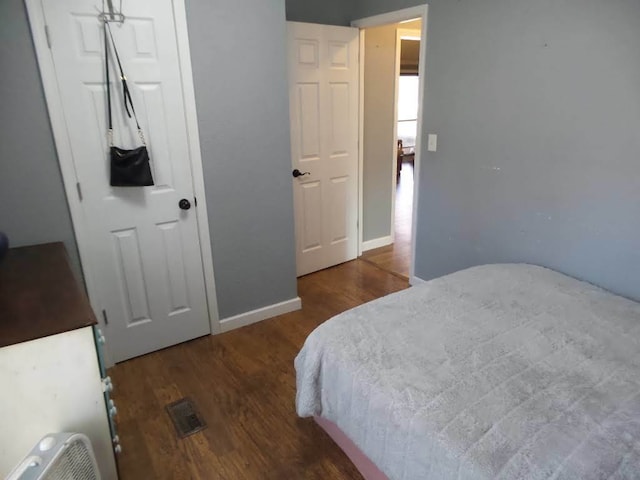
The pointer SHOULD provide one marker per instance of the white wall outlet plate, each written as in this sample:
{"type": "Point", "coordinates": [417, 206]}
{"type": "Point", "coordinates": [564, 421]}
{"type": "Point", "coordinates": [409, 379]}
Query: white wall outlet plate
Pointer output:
{"type": "Point", "coordinates": [432, 142]}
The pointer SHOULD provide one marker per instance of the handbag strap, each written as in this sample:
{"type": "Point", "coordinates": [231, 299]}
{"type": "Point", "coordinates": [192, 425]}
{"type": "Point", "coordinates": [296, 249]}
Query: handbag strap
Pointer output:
{"type": "Point", "coordinates": [128, 102]}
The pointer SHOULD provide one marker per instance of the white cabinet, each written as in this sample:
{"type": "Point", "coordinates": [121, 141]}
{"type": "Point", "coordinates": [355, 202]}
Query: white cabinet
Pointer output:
{"type": "Point", "coordinates": [53, 384]}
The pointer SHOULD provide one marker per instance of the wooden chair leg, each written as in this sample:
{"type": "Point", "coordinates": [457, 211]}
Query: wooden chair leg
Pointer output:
{"type": "Point", "coordinates": [399, 159]}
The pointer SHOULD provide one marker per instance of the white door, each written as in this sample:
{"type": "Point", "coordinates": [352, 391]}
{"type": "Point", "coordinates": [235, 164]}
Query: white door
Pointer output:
{"type": "Point", "coordinates": [323, 90]}
{"type": "Point", "coordinates": [146, 265]}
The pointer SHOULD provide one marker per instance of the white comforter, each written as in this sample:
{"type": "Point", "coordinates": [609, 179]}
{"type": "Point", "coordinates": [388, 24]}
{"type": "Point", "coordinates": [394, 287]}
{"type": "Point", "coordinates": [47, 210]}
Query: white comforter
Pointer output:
{"type": "Point", "coordinates": [499, 371]}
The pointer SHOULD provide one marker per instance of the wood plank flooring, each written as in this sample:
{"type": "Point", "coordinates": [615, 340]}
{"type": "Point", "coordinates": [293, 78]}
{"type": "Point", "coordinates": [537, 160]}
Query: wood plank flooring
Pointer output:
{"type": "Point", "coordinates": [243, 383]}
{"type": "Point", "coordinates": [396, 258]}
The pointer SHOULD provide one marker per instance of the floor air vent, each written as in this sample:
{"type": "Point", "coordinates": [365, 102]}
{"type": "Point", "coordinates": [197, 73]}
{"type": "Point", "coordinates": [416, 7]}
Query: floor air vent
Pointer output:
{"type": "Point", "coordinates": [185, 417]}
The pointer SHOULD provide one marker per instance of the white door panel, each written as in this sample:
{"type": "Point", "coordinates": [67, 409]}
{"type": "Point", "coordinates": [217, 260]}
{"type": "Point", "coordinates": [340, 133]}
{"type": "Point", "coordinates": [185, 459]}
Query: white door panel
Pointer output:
{"type": "Point", "coordinates": [323, 83]}
{"type": "Point", "coordinates": [145, 251]}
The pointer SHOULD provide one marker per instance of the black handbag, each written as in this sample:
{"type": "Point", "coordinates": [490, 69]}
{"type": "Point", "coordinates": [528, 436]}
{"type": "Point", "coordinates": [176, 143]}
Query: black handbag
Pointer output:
{"type": "Point", "coordinates": [129, 168]}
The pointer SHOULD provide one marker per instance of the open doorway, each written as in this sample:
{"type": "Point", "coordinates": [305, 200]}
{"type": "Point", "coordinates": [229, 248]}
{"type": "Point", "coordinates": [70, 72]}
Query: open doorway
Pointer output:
{"type": "Point", "coordinates": [390, 116]}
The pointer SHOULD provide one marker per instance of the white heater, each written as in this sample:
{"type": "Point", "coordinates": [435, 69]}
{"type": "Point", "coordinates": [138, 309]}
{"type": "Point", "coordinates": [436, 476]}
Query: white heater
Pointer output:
{"type": "Point", "coordinates": [59, 456]}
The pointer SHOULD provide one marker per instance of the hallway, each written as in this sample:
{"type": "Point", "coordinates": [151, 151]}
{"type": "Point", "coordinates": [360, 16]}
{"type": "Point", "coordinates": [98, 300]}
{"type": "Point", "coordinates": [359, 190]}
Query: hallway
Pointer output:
{"type": "Point", "coordinates": [396, 258]}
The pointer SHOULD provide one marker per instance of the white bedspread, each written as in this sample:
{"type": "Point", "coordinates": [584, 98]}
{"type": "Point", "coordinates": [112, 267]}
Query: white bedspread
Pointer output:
{"type": "Point", "coordinates": [499, 371]}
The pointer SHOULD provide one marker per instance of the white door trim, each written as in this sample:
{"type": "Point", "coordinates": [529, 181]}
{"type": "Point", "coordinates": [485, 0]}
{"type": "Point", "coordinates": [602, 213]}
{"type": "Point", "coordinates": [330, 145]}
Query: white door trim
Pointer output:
{"type": "Point", "coordinates": [361, 246]}
{"type": "Point", "coordinates": [397, 16]}
{"type": "Point", "coordinates": [422, 12]}
{"type": "Point", "coordinates": [63, 148]}
{"type": "Point", "coordinates": [191, 115]}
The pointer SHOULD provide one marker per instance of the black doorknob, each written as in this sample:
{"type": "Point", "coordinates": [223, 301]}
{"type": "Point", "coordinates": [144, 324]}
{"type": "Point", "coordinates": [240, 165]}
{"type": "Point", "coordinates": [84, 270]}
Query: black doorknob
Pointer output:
{"type": "Point", "coordinates": [297, 173]}
{"type": "Point", "coordinates": [184, 204]}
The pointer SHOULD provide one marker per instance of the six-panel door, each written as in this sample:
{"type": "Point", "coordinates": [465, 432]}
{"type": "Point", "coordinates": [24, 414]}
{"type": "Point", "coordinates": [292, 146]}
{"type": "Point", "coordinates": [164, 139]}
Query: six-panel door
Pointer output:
{"type": "Point", "coordinates": [145, 253]}
{"type": "Point", "coordinates": [323, 83]}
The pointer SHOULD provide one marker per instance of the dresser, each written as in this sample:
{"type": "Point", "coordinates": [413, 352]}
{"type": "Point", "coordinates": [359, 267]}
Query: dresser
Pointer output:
{"type": "Point", "coordinates": [52, 378]}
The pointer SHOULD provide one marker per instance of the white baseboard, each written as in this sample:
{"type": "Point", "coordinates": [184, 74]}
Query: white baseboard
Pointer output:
{"type": "Point", "coordinates": [260, 314]}
{"type": "Point", "coordinates": [416, 280]}
{"type": "Point", "coordinates": [377, 243]}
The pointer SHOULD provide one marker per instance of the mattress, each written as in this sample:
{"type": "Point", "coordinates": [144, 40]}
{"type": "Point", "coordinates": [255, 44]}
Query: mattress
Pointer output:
{"type": "Point", "coordinates": [500, 371]}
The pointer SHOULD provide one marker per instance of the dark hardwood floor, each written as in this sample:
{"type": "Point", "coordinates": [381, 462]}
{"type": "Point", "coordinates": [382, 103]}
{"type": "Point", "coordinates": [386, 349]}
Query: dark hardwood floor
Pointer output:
{"type": "Point", "coordinates": [396, 258]}
{"type": "Point", "coordinates": [243, 383]}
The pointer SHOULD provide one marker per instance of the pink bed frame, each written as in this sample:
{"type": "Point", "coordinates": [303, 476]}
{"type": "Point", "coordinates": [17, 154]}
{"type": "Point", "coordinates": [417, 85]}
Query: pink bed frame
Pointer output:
{"type": "Point", "coordinates": [364, 465]}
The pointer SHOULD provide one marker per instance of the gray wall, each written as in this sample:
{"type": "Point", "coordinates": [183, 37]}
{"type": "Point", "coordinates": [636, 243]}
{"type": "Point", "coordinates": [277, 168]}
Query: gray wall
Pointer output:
{"type": "Point", "coordinates": [33, 206]}
{"type": "Point", "coordinates": [238, 51]}
{"type": "Point", "coordinates": [244, 129]}
{"type": "Point", "coordinates": [537, 108]}
{"type": "Point", "coordinates": [379, 152]}
{"type": "Point", "coordinates": [331, 12]}
{"type": "Point", "coordinates": [368, 8]}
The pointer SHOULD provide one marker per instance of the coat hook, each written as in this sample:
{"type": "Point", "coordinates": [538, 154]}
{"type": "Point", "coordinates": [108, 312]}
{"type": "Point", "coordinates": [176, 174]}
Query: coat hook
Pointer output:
{"type": "Point", "coordinates": [111, 15]}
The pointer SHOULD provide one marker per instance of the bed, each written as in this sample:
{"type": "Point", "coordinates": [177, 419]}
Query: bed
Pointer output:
{"type": "Point", "coordinates": [500, 371]}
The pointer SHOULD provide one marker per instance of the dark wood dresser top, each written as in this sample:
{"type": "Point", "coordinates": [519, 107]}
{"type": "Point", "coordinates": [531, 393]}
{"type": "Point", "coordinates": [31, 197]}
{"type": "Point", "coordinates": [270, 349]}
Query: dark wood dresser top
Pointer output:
{"type": "Point", "coordinates": [39, 295]}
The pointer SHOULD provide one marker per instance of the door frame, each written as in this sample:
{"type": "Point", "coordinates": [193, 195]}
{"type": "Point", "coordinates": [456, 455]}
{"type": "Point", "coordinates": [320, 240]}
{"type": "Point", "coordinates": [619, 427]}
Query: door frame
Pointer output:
{"type": "Point", "coordinates": [397, 16]}
{"type": "Point", "coordinates": [55, 110]}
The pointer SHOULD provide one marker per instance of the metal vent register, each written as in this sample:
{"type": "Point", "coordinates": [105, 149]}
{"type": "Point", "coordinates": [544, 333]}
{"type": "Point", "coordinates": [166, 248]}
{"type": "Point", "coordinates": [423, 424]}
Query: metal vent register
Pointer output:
{"type": "Point", "coordinates": [185, 417]}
